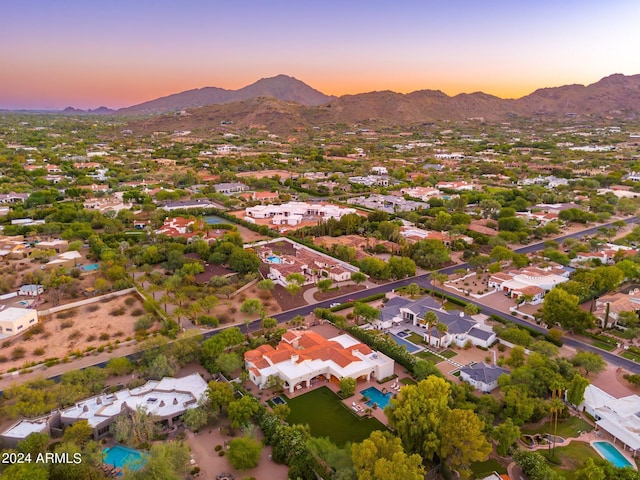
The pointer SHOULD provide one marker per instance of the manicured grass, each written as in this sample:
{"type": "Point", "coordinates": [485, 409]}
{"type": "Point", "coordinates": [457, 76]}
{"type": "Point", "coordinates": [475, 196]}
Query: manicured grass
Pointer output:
{"type": "Point", "coordinates": [415, 338]}
{"type": "Point", "coordinates": [630, 356]}
{"type": "Point", "coordinates": [566, 428]}
{"type": "Point", "coordinates": [603, 345]}
{"type": "Point", "coordinates": [486, 468]}
{"type": "Point", "coordinates": [327, 416]}
{"type": "Point", "coordinates": [407, 381]}
{"type": "Point", "coordinates": [429, 356]}
{"type": "Point", "coordinates": [572, 458]}
{"type": "Point", "coordinates": [448, 353]}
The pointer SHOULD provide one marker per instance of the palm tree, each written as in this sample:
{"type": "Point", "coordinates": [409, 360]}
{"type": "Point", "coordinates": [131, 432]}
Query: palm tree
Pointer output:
{"type": "Point", "coordinates": [441, 328]}
{"type": "Point", "coordinates": [430, 319]}
{"type": "Point", "coordinates": [440, 278]}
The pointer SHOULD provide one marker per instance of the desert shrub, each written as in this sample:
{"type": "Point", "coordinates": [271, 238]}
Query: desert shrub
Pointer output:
{"type": "Point", "coordinates": [129, 301]}
{"type": "Point", "coordinates": [224, 318]}
{"type": "Point", "coordinates": [119, 333]}
{"type": "Point", "coordinates": [3, 359]}
{"type": "Point", "coordinates": [104, 336]}
{"type": "Point", "coordinates": [37, 329]}
{"type": "Point", "coordinates": [17, 353]}
{"type": "Point", "coordinates": [143, 323]}
{"type": "Point", "coordinates": [38, 351]}
{"type": "Point", "coordinates": [218, 448]}
{"type": "Point", "coordinates": [73, 335]}
{"type": "Point", "coordinates": [116, 312]}
{"type": "Point", "coordinates": [137, 312]}
{"type": "Point", "coordinates": [6, 344]}
{"type": "Point", "coordinates": [92, 308]}
{"type": "Point", "coordinates": [68, 313]}
{"type": "Point", "coordinates": [208, 320]}
{"type": "Point", "coordinates": [66, 324]}
{"type": "Point", "coordinates": [91, 338]}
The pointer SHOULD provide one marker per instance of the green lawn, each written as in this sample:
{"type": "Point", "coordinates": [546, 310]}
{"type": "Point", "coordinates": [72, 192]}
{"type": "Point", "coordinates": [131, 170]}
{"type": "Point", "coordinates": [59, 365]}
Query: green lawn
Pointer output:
{"type": "Point", "coordinates": [572, 458]}
{"type": "Point", "coordinates": [448, 353]}
{"type": "Point", "coordinates": [603, 345]}
{"type": "Point", "coordinates": [327, 416]}
{"type": "Point", "coordinates": [415, 338]}
{"type": "Point", "coordinates": [429, 356]}
{"type": "Point", "coordinates": [630, 355]}
{"type": "Point", "coordinates": [566, 428]}
{"type": "Point", "coordinates": [486, 468]}
{"type": "Point", "coordinates": [407, 381]}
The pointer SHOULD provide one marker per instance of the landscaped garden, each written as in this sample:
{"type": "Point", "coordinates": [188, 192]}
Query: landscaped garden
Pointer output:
{"type": "Point", "coordinates": [327, 416]}
{"type": "Point", "coordinates": [566, 460]}
{"type": "Point", "coordinates": [486, 468]}
{"type": "Point", "coordinates": [569, 428]}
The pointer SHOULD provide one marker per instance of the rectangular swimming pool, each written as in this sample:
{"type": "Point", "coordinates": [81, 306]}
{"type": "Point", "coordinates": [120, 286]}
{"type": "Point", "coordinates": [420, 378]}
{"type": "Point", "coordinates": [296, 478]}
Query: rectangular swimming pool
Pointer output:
{"type": "Point", "coordinates": [377, 397]}
{"type": "Point", "coordinates": [120, 456]}
{"type": "Point", "coordinates": [411, 348]}
{"type": "Point", "coordinates": [611, 453]}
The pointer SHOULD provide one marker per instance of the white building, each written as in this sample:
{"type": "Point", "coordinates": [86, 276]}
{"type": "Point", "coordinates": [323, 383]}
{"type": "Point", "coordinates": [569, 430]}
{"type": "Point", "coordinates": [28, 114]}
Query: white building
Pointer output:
{"type": "Point", "coordinates": [482, 377]}
{"type": "Point", "coordinates": [528, 281]}
{"type": "Point", "coordinates": [16, 320]}
{"type": "Point", "coordinates": [620, 417]}
{"type": "Point", "coordinates": [293, 213]}
{"type": "Point", "coordinates": [166, 399]}
{"type": "Point", "coordinates": [304, 357]}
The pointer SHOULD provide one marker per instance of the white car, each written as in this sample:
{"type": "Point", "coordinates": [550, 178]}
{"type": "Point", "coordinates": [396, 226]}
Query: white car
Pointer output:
{"type": "Point", "coordinates": [335, 304]}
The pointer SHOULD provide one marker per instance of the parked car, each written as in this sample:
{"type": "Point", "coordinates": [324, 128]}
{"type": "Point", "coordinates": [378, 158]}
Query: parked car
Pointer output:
{"type": "Point", "coordinates": [334, 304]}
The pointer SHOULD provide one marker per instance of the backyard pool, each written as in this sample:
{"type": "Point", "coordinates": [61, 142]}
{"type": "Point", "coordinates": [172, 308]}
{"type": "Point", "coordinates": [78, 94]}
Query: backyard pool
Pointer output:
{"type": "Point", "coordinates": [278, 401]}
{"type": "Point", "coordinates": [376, 396]}
{"type": "Point", "coordinates": [274, 259]}
{"type": "Point", "coordinates": [90, 267]}
{"type": "Point", "coordinates": [611, 453]}
{"type": "Point", "coordinates": [120, 456]}
{"type": "Point", "coordinates": [411, 348]}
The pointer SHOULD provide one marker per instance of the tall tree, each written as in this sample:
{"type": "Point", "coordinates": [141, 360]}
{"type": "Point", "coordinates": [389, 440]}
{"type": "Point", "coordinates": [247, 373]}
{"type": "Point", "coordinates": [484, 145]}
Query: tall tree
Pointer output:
{"type": "Point", "coordinates": [416, 414]}
{"type": "Point", "coordinates": [462, 441]}
{"type": "Point", "coordinates": [381, 456]}
{"type": "Point", "coordinates": [577, 387]}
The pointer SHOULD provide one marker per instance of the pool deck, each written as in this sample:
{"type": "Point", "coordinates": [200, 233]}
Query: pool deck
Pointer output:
{"type": "Point", "coordinates": [591, 438]}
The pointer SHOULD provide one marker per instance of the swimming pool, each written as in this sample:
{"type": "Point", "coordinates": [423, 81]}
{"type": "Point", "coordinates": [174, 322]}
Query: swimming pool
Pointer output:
{"type": "Point", "coordinates": [402, 334]}
{"type": "Point", "coordinates": [278, 401]}
{"type": "Point", "coordinates": [411, 348]}
{"type": "Point", "coordinates": [91, 267]}
{"type": "Point", "coordinates": [611, 453]}
{"type": "Point", "coordinates": [120, 456]}
{"type": "Point", "coordinates": [376, 396]}
{"type": "Point", "coordinates": [274, 259]}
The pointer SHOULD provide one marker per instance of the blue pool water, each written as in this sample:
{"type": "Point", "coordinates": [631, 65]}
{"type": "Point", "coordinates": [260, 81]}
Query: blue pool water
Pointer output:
{"type": "Point", "coordinates": [274, 259]}
{"type": "Point", "coordinates": [376, 396]}
{"type": "Point", "coordinates": [278, 400]}
{"type": "Point", "coordinates": [119, 456]}
{"type": "Point", "coordinates": [411, 348]}
{"type": "Point", "coordinates": [91, 267]}
{"type": "Point", "coordinates": [611, 453]}
{"type": "Point", "coordinates": [402, 334]}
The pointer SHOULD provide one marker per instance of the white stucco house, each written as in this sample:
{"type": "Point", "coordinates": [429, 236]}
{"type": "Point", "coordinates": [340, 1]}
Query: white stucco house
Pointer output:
{"type": "Point", "coordinates": [14, 321]}
{"type": "Point", "coordinates": [303, 357]}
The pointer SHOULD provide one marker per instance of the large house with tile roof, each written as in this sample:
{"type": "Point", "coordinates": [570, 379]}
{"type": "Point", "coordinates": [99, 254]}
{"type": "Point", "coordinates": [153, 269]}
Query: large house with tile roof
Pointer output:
{"type": "Point", "coordinates": [460, 327]}
{"type": "Point", "coordinates": [609, 307]}
{"type": "Point", "coordinates": [529, 281]}
{"type": "Point", "coordinates": [303, 357]}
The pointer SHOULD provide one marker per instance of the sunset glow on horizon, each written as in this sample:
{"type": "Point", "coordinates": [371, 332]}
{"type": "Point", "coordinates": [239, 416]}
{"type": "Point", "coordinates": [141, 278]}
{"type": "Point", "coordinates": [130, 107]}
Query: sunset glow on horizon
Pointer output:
{"type": "Point", "coordinates": [120, 53]}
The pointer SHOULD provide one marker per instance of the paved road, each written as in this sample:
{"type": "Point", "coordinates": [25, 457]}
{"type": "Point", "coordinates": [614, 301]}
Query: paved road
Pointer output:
{"type": "Point", "coordinates": [422, 280]}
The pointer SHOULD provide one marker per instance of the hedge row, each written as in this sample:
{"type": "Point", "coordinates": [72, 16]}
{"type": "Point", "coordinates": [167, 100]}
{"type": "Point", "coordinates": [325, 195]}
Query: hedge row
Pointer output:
{"type": "Point", "coordinates": [368, 299]}
{"type": "Point", "coordinates": [534, 333]}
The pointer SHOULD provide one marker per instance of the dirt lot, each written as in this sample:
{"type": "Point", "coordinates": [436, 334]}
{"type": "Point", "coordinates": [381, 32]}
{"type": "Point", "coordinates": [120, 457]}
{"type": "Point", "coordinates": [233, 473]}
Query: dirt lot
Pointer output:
{"type": "Point", "coordinates": [94, 325]}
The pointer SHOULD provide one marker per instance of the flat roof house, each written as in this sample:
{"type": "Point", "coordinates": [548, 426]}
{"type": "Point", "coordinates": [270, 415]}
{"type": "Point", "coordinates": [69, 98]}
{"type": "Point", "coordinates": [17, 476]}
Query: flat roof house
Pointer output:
{"type": "Point", "coordinates": [16, 320]}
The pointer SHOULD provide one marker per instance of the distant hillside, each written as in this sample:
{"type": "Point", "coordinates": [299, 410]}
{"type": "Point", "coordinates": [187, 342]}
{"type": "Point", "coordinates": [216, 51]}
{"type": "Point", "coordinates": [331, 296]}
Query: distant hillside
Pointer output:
{"type": "Point", "coordinates": [97, 111]}
{"type": "Point", "coordinates": [616, 95]}
{"type": "Point", "coordinates": [282, 87]}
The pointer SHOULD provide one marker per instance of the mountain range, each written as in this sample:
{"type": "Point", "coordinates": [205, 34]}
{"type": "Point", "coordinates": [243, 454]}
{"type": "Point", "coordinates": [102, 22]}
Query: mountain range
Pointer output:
{"type": "Point", "coordinates": [290, 102]}
{"type": "Point", "coordinates": [615, 96]}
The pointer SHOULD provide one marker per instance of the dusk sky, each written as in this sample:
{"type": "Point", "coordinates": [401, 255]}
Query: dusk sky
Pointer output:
{"type": "Point", "coordinates": [88, 53]}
